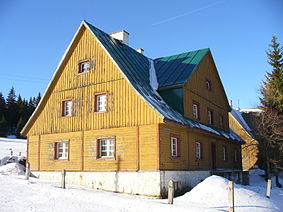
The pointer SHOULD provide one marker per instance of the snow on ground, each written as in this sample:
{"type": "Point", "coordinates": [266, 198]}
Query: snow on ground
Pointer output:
{"type": "Point", "coordinates": [18, 146]}
{"type": "Point", "coordinates": [36, 195]}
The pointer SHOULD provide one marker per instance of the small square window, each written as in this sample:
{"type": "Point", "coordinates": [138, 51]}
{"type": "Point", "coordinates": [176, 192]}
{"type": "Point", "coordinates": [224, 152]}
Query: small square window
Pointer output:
{"type": "Point", "coordinates": [67, 108]}
{"type": "Point", "coordinates": [106, 147]}
{"type": "Point", "coordinates": [84, 67]}
{"type": "Point", "coordinates": [196, 110]}
{"type": "Point", "coordinates": [62, 150]}
{"type": "Point", "coordinates": [208, 84]}
{"type": "Point", "coordinates": [198, 150]}
{"type": "Point", "coordinates": [100, 103]}
{"type": "Point", "coordinates": [175, 146]}
{"type": "Point", "coordinates": [210, 116]}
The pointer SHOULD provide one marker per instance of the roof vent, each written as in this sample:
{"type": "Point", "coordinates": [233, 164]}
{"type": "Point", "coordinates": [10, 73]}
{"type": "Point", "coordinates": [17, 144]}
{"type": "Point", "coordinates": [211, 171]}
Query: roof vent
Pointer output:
{"type": "Point", "coordinates": [140, 50]}
{"type": "Point", "coordinates": [122, 36]}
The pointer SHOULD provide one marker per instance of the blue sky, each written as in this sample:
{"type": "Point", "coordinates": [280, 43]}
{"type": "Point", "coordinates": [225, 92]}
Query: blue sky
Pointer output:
{"type": "Point", "coordinates": [35, 34]}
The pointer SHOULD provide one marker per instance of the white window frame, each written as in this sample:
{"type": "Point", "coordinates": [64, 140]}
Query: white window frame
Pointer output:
{"type": "Point", "coordinates": [84, 67]}
{"type": "Point", "coordinates": [195, 111]}
{"type": "Point", "coordinates": [64, 146]}
{"type": "Point", "coordinates": [67, 108]}
{"type": "Point", "coordinates": [101, 102]}
{"type": "Point", "coordinates": [174, 146]}
{"type": "Point", "coordinates": [198, 150]}
{"type": "Point", "coordinates": [109, 150]}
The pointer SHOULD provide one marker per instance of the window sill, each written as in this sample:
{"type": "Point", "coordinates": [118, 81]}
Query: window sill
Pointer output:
{"type": "Point", "coordinates": [105, 158]}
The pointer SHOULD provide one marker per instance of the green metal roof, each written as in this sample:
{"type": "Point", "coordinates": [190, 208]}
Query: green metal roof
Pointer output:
{"type": "Point", "coordinates": [135, 67]}
{"type": "Point", "coordinates": [178, 68]}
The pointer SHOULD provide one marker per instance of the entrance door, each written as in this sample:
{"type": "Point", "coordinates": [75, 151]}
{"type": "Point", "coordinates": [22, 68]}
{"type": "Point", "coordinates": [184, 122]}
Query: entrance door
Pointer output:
{"type": "Point", "coordinates": [213, 155]}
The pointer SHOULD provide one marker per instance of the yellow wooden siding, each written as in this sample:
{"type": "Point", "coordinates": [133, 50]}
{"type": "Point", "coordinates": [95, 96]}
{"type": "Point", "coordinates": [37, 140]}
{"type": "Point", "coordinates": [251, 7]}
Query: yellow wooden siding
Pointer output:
{"type": "Point", "coordinates": [135, 149]}
{"type": "Point", "coordinates": [33, 152]}
{"type": "Point", "coordinates": [187, 160]}
{"type": "Point", "coordinates": [195, 90]}
{"type": "Point", "coordinates": [47, 152]}
{"type": "Point", "coordinates": [149, 150]}
{"type": "Point", "coordinates": [125, 106]}
{"type": "Point", "coordinates": [250, 149]}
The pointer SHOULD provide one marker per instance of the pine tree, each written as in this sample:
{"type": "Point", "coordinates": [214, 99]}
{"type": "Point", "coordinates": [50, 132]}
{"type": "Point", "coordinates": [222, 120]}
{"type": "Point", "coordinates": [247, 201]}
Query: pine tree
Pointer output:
{"type": "Point", "coordinates": [2, 105]}
{"type": "Point", "coordinates": [270, 123]}
{"type": "Point", "coordinates": [12, 113]}
{"type": "Point", "coordinates": [272, 89]}
{"type": "Point", "coordinates": [21, 123]}
{"type": "Point", "coordinates": [3, 126]}
{"type": "Point", "coordinates": [38, 98]}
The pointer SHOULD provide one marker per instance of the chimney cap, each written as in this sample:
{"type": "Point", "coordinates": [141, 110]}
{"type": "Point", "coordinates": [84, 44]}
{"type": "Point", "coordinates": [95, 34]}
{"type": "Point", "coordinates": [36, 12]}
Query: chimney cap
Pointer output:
{"type": "Point", "coordinates": [140, 50]}
{"type": "Point", "coordinates": [118, 32]}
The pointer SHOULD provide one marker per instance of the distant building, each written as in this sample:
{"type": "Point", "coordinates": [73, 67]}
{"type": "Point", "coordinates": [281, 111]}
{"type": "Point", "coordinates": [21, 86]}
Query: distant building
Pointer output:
{"type": "Point", "coordinates": [239, 124]}
{"type": "Point", "coordinates": [119, 121]}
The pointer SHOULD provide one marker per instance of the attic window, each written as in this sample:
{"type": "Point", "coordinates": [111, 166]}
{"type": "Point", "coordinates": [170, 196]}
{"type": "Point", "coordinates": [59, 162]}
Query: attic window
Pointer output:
{"type": "Point", "coordinates": [67, 108]}
{"type": "Point", "coordinates": [101, 102]}
{"type": "Point", "coordinates": [208, 84]}
{"type": "Point", "coordinates": [84, 66]}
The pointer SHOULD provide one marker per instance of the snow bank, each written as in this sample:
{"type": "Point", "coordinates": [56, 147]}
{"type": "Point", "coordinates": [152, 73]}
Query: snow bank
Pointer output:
{"type": "Point", "coordinates": [9, 159]}
{"type": "Point", "coordinates": [12, 169]}
{"type": "Point", "coordinates": [16, 147]}
{"type": "Point", "coordinates": [213, 191]}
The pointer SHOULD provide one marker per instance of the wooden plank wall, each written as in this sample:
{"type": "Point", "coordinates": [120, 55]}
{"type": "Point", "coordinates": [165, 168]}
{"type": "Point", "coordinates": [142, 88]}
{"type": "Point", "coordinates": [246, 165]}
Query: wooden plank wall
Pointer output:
{"type": "Point", "coordinates": [195, 90]}
{"type": "Point", "coordinates": [187, 160]}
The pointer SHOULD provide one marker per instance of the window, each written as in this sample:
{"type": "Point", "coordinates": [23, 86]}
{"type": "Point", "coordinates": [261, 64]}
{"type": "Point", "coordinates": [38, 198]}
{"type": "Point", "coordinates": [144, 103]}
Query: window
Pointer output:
{"type": "Point", "coordinates": [224, 153]}
{"type": "Point", "coordinates": [67, 108]}
{"type": "Point", "coordinates": [106, 147]}
{"type": "Point", "coordinates": [100, 102]}
{"type": "Point", "coordinates": [208, 84]}
{"type": "Point", "coordinates": [210, 116]}
{"type": "Point", "coordinates": [84, 67]}
{"type": "Point", "coordinates": [175, 146]}
{"type": "Point", "coordinates": [221, 121]}
{"type": "Point", "coordinates": [198, 150]}
{"type": "Point", "coordinates": [196, 110]}
{"type": "Point", "coordinates": [62, 150]}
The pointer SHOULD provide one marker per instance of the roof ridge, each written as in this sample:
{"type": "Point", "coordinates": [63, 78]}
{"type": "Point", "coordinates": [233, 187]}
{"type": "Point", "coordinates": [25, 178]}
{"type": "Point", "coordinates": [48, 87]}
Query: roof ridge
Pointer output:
{"type": "Point", "coordinates": [183, 53]}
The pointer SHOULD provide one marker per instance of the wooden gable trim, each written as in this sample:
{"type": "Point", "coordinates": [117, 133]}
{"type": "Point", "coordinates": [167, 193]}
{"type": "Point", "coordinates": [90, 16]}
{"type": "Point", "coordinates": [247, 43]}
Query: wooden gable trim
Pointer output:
{"type": "Point", "coordinates": [51, 83]}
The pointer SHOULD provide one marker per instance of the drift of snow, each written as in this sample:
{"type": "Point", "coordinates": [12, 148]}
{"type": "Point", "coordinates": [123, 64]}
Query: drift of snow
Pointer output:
{"type": "Point", "coordinates": [12, 169]}
{"type": "Point", "coordinates": [213, 192]}
{"type": "Point", "coordinates": [152, 75]}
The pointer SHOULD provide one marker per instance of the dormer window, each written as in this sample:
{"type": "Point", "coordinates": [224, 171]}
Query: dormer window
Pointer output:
{"type": "Point", "coordinates": [208, 85]}
{"type": "Point", "coordinates": [84, 67]}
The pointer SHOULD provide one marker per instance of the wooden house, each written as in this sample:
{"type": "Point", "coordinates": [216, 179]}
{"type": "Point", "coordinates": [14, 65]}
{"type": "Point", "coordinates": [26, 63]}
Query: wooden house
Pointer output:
{"type": "Point", "coordinates": [250, 149]}
{"type": "Point", "coordinates": [119, 121]}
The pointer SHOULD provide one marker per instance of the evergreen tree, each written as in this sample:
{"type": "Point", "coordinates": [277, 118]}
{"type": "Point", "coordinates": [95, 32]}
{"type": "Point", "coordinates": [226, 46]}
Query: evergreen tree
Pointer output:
{"type": "Point", "coordinates": [270, 123]}
{"type": "Point", "coordinates": [20, 126]}
{"type": "Point", "coordinates": [12, 112]}
{"type": "Point", "coordinates": [38, 98]}
{"type": "Point", "coordinates": [272, 89]}
{"type": "Point", "coordinates": [2, 105]}
{"type": "Point", "coordinates": [3, 126]}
